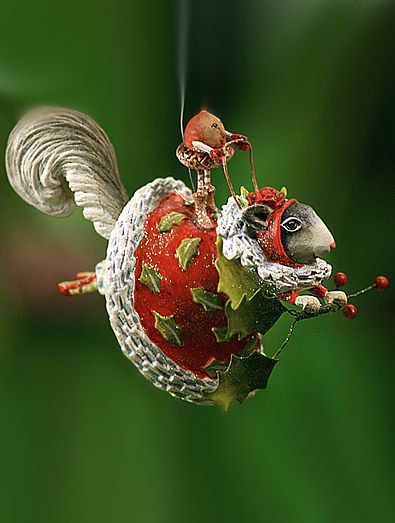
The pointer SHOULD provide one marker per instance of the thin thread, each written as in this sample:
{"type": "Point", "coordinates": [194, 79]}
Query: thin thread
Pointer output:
{"type": "Point", "coordinates": [183, 26]}
{"type": "Point", "coordinates": [182, 58]}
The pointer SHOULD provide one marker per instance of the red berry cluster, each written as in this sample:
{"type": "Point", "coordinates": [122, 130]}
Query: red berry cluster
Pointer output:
{"type": "Point", "coordinates": [340, 279]}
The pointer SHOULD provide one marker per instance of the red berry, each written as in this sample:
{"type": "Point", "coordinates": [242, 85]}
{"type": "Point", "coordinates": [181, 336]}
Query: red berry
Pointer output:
{"type": "Point", "coordinates": [350, 311]}
{"type": "Point", "coordinates": [381, 283]}
{"type": "Point", "coordinates": [340, 279]}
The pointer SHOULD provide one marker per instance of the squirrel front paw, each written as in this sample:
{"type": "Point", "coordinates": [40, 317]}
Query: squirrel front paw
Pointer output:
{"type": "Point", "coordinates": [336, 298]}
{"type": "Point", "coordinates": [308, 304]}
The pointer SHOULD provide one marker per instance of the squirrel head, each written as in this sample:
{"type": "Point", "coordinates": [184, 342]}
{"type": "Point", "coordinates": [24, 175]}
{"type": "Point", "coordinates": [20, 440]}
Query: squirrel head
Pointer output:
{"type": "Point", "coordinates": [289, 232]}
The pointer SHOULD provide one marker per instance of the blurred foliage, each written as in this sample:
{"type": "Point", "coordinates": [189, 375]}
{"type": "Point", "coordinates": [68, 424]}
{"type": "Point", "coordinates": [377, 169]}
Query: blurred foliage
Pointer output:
{"type": "Point", "coordinates": [84, 437]}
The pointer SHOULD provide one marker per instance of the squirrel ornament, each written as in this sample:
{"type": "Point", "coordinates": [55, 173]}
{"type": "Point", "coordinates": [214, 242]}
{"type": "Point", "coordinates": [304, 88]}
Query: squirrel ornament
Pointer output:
{"type": "Point", "coordinates": [191, 290]}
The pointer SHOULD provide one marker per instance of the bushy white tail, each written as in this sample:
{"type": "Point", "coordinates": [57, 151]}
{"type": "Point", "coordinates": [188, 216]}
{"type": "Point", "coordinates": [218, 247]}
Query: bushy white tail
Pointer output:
{"type": "Point", "coordinates": [58, 158]}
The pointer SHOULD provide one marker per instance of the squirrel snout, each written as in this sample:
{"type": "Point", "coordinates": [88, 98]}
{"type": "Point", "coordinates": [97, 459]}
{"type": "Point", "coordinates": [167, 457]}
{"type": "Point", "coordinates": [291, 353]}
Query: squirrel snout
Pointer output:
{"type": "Point", "coordinates": [325, 243]}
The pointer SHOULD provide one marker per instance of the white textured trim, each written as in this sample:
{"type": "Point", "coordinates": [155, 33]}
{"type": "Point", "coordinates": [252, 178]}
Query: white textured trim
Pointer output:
{"type": "Point", "coordinates": [119, 291]}
{"type": "Point", "coordinates": [237, 244]}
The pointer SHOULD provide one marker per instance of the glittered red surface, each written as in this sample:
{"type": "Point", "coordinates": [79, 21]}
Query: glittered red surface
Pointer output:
{"type": "Point", "coordinates": [158, 249]}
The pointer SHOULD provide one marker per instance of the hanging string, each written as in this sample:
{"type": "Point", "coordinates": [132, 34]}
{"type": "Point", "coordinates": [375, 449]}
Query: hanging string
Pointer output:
{"type": "Point", "coordinates": [182, 57]}
{"type": "Point", "coordinates": [183, 26]}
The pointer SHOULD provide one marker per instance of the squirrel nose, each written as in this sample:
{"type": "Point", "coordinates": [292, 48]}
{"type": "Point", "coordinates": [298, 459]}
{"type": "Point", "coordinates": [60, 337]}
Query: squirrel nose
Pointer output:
{"type": "Point", "coordinates": [333, 245]}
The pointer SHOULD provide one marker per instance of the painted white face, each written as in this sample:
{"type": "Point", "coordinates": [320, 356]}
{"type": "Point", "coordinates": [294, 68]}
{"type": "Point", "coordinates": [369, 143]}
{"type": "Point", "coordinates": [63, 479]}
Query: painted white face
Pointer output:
{"type": "Point", "coordinates": [304, 235]}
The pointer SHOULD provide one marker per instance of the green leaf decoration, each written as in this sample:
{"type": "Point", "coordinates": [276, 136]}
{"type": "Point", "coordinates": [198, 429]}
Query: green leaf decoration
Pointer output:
{"type": "Point", "coordinates": [186, 251]}
{"type": "Point", "coordinates": [242, 199]}
{"type": "Point", "coordinates": [244, 192]}
{"type": "Point", "coordinates": [250, 347]}
{"type": "Point", "coordinates": [150, 277]}
{"type": "Point", "coordinates": [220, 334]}
{"type": "Point", "coordinates": [211, 301]}
{"type": "Point", "coordinates": [168, 328]}
{"type": "Point", "coordinates": [236, 281]}
{"type": "Point", "coordinates": [243, 376]}
{"type": "Point", "coordinates": [215, 366]}
{"type": "Point", "coordinates": [170, 220]}
{"type": "Point", "coordinates": [256, 315]}
{"type": "Point", "coordinates": [252, 307]}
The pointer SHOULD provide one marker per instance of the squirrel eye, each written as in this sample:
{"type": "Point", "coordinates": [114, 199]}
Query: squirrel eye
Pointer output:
{"type": "Point", "coordinates": [214, 125]}
{"type": "Point", "coordinates": [291, 225]}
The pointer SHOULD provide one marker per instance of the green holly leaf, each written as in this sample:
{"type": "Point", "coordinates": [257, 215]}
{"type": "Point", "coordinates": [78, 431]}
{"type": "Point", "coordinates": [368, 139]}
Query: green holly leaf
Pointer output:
{"type": "Point", "coordinates": [168, 328]}
{"type": "Point", "coordinates": [186, 251]}
{"type": "Point", "coordinates": [210, 301]}
{"type": "Point", "coordinates": [244, 192]}
{"type": "Point", "coordinates": [214, 366]}
{"type": "Point", "coordinates": [236, 281]}
{"type": "Point", "coordinates": [258, 314]}
{"type": "Point", "coordinates": [249, 347]}
{"type": "Point", "coordinates": [150, 277]}
{"type": "Point", "coordinates": [242, 199]}
{"type": "Point", "coordinates": [170, 220]}
{"type": "Point", "coordinates": [242, 377]}
{"type": "Point", "coordinates": [220, 334]}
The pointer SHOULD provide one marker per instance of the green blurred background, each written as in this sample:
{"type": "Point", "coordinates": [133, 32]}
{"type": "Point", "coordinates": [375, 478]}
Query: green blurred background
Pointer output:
{"type": "Point", "coordinates": [84, 438]}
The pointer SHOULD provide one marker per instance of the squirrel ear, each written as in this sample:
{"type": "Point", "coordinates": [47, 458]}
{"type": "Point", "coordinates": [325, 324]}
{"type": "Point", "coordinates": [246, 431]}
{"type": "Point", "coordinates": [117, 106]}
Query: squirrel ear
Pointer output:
{"type": "Point", "coordinates": [255, 218]}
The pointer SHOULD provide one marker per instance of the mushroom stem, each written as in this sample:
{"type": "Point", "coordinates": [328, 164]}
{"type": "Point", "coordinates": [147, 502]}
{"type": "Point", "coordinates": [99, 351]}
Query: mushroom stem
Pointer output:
{"type": "Point", "coordinates": [204, 199]}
